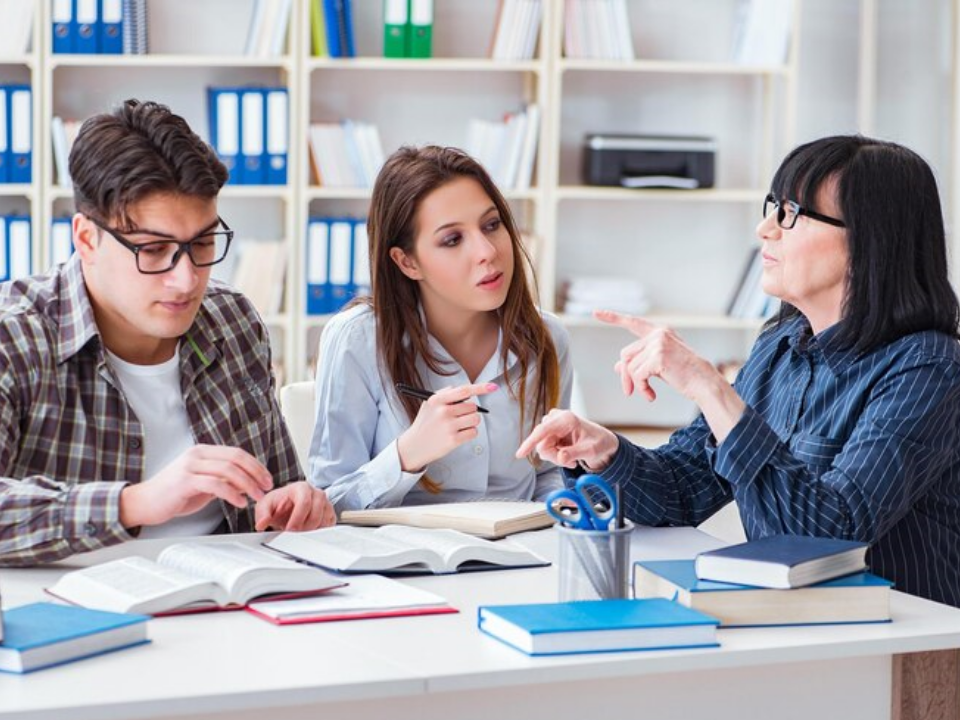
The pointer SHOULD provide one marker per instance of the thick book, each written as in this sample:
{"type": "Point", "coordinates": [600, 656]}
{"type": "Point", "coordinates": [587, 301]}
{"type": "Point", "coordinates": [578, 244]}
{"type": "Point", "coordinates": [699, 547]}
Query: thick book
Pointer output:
{"type": "Point", "coordinates": [401, 550]}
{"type": "Point", "coordinates": [858, 598]}
{"type": "Point", "coordinates": [783, 561]}
{"type": "Point", "coordinates": [484, 518]}
{"type": "Point", "coordinates": [597, 626]}
{"type": "Point", "coordinates": [367, 596]}
{"type": "Point", "coordinates": [190, 577]}
{"type": "Point", "coordinates": [42, 635]}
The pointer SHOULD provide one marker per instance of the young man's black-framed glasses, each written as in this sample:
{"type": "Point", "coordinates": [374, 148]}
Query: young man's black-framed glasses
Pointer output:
{"type": "Point", "coordinates": [160, 256]}
{"type": "Point", "coordinates": [788, 211]}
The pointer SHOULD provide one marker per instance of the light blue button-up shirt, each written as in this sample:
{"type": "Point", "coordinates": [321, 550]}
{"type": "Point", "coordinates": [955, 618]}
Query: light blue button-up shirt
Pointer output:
{"type": "Point", "coordinates": [353, 454]}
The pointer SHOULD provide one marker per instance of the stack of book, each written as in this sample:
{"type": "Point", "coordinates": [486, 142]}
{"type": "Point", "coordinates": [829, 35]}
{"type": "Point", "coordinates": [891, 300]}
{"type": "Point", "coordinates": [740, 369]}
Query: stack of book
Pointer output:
{"type": "Point", "coordinates": [584, 294]}
{"type": "Point", "coordinates": [507, 149]}
{"type": "Point", "coordinates": [16, 19]}
{"type": "Point", "coordinates": [347, 154]}
{"type": "Point", "coordinates": [763, 32]}
{"type": "Point", "coordinates": [779, 580]}
{"type": "Point", "coordinates": [331, 28]}
{"type": "Point", "coordinates": [597, 30]}
{"type": "Point", "coordinates": [749, 300]}
{"type": "Point", "coordinates": [268, 28]}
{"type": "Point", "coordinates": [517, 29]}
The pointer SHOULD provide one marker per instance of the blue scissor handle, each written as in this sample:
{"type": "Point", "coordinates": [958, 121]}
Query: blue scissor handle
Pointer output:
{"type": "Point", "coordinates": [574, 513]}
{"type": "Point", "coordinates": [581, 511]}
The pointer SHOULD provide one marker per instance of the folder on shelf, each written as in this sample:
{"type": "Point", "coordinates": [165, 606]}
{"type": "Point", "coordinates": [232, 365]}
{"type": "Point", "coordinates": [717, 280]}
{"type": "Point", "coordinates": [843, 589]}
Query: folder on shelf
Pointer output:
{"type": "Point", "coordinates": [4, 137]}
{"type": "Point", "coordinates": [277, 135]}
{"type": "Point", "coordinates": [332, 15]}
{"type": "Point", "coordinates": [395, 28]}
{"type": "Point", "coordinates": [318, 252]}
{"type": "Point", "coordinates": [61, 240]}
{"type": "Point", "coordinates": [224, 109]}
{"type": "Point", "coordinates": [4, 252]}
{"type": "Point", "coordinates": [111, 27]}
{"type": "Point", "coordinates": [318, 29]}
{"type": "Point", "coordinates": [19, 246]}
{"type": "Point", "coordinates": [250, 169]}
{"type": "Point", "coordinates": [421, 28]}
{"type": "Point", "coordinates": [346, 28]}
{"type": "Point", "coordinates": [361, 258]}
{"type": "Point", "coordinates": [64, 26]}
{"type": "Point", "coordinates": [88, 19]}
{"type": "Point", "coordinates": [20, 133]}
{"type": "Point", "coordinates": [340, 262]}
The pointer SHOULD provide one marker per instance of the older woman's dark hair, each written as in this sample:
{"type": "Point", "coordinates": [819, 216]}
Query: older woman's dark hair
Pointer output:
{"type": "Point", "coordinates": [898, 279]}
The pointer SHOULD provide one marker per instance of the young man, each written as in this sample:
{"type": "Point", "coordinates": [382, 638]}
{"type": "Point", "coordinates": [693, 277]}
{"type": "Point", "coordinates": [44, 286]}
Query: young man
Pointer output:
{"type": "Point", "coordinates": [136, 396]}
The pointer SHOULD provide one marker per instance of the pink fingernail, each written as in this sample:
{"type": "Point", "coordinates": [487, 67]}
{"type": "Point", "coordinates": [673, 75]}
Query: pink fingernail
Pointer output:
{"type": "Point", "coordinates": [492, 386]}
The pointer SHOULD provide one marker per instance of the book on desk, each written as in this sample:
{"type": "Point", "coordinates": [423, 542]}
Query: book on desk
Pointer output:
{"type": "Point", "coordinates": [589, 626]}
{"type": "Point", "coordinates": [191, 577]}
{"type": "Point", "coordinates": [858, 598]}
{"type": "Point", "coordinates": [42, 635]}
{"type": "Point", "coordinates": [491, 519]}
{"type": "Point", "coordinates": [782, 561]}
{"type": "Point", "coordinates": [400, 550]}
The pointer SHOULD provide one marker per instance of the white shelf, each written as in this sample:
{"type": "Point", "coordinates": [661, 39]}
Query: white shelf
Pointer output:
{"type": "Point", "coordinates": [168, 61]}
{"type": "Point", "coordinates": [670, 66]}
{"type": "Point", "coordinates": [59, 192]}
{"type": "Point", "coordinates": [28, 60]}
{"type": "Point", "coordinates": [328, 193]}
{"type": "Point", "coordinates": [424, 64]}
{"type": "Point", "coordinates": [673, 320]}
{"type": "Point", "coordinates": [590, 193]}
{"type": "Point", "coordinates": [17, 190]}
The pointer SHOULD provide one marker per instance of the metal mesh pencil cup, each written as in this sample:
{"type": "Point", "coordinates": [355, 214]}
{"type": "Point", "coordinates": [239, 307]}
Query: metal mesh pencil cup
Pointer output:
{"type": "Point", "coordinates": [594, 564]}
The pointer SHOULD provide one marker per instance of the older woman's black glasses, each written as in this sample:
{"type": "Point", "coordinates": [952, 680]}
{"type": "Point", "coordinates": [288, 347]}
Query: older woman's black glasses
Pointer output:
{"type": "Point", "coordinates": [788, 211]}
{"type": "Point", "coordinates": [160, 256]}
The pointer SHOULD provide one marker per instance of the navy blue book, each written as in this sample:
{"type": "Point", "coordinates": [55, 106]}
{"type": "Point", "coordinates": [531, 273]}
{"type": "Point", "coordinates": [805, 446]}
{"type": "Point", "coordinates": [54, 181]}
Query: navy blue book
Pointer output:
{"type": "Point", "coordinates": [782, 561]}
{"type": "Point", "coordinates": [597, 626]}
{"type": "Point", "coordinates": [858, 598]}
{"type": "Point", "coordinates": [44, 634]}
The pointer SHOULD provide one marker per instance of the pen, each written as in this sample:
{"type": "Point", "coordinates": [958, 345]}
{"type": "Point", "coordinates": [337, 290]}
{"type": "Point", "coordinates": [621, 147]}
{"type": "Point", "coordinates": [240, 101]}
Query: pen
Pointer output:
{"type": "Point", "coordinates": [422, 394]}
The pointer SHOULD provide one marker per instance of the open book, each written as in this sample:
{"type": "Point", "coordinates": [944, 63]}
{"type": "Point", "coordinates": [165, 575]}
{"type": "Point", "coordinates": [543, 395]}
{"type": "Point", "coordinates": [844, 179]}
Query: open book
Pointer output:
{"type": "Point", "coordinates": [398, 549]}
{"type": "Point", "coordinates": [189, 577]}
{"type": "Point", "coordinates": [485, 518]}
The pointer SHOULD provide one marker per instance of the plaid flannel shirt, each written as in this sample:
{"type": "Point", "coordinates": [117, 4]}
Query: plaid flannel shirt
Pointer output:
{"type": "Point", "coordinates": [69, 442]}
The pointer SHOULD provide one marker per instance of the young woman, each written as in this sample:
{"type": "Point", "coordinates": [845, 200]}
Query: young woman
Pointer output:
{"type": "Point", "coordinates": [845, 420]}
{"type": "Point", "coordinates": [452, 314]}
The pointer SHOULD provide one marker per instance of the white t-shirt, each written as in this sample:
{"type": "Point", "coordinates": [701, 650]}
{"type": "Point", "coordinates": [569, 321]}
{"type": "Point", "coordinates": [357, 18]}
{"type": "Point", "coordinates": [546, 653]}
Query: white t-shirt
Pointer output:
{"type": "Point", "coordinates": [153, 393]}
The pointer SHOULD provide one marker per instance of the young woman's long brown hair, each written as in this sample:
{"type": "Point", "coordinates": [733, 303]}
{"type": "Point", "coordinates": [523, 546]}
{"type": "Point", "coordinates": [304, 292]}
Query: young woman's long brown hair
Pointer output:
{"type": "Point", "coordinates": [408, 176]}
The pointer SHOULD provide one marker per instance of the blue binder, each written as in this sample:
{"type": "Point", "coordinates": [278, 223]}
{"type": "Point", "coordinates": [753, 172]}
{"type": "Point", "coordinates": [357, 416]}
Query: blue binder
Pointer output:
{"type": "Point", "coordinates": [332, 14]}
{"type": "Point", "coordinates": [19, 246]}
{"type": "Point", "coordinates": [61, 240]}
{"type": "Point", "coordinates": [340, 262]}
{"type": "Point", "coordinates": [4, 250]}
{"type": "Point", "coordinates": [277, 129]}
{"type": "Point", "coordinates": [87, 16]}
{"type": "Point", "coordinates": [4, 137]}
{"type": "Point", "coordinates": [317, 275]}
{"type": "Point", "coordinates": [346, 29]}
{"type": "Point", "coordinates": [250, 164]}
{"type": "Point", "coordinates": [111, 27]}
{"type": "Point", "coordinates": [20, 133]}
{"type": "Point", "coordinates": [224, 110]}
{"type": "Point", "coordinates": [361, 258]}
{"type": "Point", "coordinates": [64, 26]}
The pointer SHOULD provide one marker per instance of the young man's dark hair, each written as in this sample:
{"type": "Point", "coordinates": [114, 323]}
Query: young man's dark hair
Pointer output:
{"type": "Point", "coordinates": [137, 396]}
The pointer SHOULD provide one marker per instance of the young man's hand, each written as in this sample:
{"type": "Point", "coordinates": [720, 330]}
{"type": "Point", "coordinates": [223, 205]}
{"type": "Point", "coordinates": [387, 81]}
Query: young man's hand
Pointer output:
{"type": "Point", "coordinates": [297, 506]}
{"type": "Point", "coordinates": [186, 485]}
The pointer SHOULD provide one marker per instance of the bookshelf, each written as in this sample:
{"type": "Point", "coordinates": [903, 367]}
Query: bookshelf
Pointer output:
{"type": "Point", "coordinates": [687, 247]}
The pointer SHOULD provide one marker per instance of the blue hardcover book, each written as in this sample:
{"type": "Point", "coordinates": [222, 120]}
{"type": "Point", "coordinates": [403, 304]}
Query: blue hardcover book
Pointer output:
{"type": "Point", "coordinates": [64, 26]}
{"type": "Point", "coordinates": [857, 598]}
{"type": "Point", "coordinates": [44, 634]}
{"type": "Point", "coordinates": [333, 16]}
{"type": "Point", "coordinates": [783, 561]}
{"type": "Point", "coordinates": [346, 29]}
{"type": "Point", "coordinates": [597, 626]}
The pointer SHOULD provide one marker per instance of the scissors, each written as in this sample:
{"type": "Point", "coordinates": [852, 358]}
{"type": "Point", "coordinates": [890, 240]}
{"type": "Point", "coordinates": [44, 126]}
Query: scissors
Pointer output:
{"type": "Point", "coordinates": [582, 510]}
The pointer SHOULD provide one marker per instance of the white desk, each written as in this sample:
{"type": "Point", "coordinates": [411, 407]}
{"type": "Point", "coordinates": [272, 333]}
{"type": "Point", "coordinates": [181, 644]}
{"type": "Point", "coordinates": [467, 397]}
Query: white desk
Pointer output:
{"type": "Point", "coordinates": [233, 665]}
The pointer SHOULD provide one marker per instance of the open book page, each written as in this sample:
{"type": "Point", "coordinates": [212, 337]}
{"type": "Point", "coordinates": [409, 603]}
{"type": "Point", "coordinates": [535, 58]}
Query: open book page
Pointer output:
{"type": "Point", "coordinates": [244, 572]}
{"type": "Point", "coordinates": [135, 584]}
{"type": "Point", "coordinates": [365, 596]}
{"type": "Point", "coordinates": [457, 548]}
{"type": "Point", "coordinates": [351, 549]}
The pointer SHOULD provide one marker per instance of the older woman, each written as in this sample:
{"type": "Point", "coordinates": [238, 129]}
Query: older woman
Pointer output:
{"type": "Point", "coordinates": [845, 420]}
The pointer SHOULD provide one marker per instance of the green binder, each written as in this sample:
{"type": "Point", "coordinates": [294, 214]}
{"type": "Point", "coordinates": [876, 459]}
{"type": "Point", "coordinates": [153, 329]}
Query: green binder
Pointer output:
{"type": "Point", "coordinates": [421, 28]}
{"type": "Point", "coordinates": [318, 29]}
{"type": "Point", "coordinates": [395, 28]}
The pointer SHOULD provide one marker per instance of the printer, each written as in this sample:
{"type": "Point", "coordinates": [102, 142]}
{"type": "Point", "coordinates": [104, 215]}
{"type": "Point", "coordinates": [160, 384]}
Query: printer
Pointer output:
{"type": "Point", "coordinates": [660, 161]}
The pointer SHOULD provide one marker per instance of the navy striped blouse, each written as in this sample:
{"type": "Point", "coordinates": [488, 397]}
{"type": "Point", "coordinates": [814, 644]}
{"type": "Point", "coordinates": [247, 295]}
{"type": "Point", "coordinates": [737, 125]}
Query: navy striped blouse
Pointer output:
{"type": "Point", "coordinates": [832, 443]}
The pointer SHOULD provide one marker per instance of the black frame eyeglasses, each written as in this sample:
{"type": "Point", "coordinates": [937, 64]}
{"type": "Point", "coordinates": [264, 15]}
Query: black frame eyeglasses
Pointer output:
{"type": "Point", "coordinates": [788, 211]}
{"type": "Point", "coordinates": [155, 257]}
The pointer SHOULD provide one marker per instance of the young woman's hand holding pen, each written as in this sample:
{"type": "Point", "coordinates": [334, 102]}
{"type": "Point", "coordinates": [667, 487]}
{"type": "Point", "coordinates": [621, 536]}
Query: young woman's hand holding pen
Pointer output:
{"type": "Point", "coordinates": [445, 421]}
